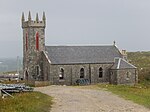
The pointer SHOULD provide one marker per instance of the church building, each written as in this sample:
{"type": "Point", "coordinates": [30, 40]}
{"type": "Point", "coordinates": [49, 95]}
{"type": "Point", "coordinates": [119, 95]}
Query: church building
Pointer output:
{"type": "Point", "coordinates": [65, 65]}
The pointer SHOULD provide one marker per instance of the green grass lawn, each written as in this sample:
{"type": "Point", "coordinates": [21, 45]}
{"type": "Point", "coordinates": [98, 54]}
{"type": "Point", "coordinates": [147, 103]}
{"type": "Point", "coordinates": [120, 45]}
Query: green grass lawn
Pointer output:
{"type": "Point", "coordinates": [26, 102]}
{"type": "Point", "coordinates": [137, 94]}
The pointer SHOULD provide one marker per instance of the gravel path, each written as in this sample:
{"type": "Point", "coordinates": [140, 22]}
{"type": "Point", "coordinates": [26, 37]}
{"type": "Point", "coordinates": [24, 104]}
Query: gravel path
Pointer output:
{"type": "Point", "coordinates": [86, 99]}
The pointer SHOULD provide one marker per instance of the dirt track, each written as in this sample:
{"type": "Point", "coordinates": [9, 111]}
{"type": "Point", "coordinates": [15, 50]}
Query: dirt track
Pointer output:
{"type": "Point", "coordinates": [86, 99]}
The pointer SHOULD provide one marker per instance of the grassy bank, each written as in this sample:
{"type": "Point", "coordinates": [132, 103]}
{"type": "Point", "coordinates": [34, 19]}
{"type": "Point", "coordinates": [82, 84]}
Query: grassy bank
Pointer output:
{"type": "Point", "coordinates": [138, 94]}
{"type": "Point", "coordinates": [26, 102]}
{"type": "Point", "coordinates": [142, 61]}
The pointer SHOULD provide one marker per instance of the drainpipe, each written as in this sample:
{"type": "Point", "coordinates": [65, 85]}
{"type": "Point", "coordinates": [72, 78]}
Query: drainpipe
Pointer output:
{"type": "Point", "coordinates": [71, 75]}
{"type": "Point", "coordinates": [90, 73]}
{"type": "Point", "coordinates": [136, 76]}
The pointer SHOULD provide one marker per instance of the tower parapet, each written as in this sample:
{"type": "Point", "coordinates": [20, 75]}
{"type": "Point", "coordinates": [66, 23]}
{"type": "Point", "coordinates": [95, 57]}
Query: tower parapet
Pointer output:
{"type": "Point", "coordinates": [33, 23]}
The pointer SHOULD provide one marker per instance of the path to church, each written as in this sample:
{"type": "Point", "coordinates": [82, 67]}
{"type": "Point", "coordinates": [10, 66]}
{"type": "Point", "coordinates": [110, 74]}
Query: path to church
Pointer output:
{"type": "Point", "coordinates": [87, 99]}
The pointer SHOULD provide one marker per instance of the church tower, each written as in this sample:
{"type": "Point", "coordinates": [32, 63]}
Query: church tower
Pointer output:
{"type": "Point", "coordinates": [33, 45]}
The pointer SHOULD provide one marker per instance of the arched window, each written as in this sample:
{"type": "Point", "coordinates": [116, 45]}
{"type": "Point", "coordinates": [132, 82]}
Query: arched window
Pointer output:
{"type": "Point", "coordinates": [100, 72]}
{"type": "Point", "coordinates": [37, 41]}
{"type": "Point", "coordinates": [61, 74]}
{"type": "Point", "coordinates": [82, 73]}
{"type": "Point", "coordinates": [26, 41]}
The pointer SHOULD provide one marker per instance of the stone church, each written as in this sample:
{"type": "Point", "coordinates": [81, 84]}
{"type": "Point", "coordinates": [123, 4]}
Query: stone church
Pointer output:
{"type": "Point", "coordinates": [64, 65]}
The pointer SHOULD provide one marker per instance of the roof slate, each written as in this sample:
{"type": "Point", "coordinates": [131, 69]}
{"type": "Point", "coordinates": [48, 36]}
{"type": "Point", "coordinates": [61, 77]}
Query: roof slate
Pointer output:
{"type": "Point", "coordinates": [122, 64]}
{"type": "Point", "coordinates": [82, 54]}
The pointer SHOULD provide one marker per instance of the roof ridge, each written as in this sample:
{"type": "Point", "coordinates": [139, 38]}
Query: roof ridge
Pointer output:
{"type": "Point", "coordinates": [81, 46]}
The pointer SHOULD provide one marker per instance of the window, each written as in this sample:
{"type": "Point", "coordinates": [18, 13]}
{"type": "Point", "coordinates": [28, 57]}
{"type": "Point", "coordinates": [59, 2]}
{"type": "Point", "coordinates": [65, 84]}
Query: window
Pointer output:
{"type": "Point", "coordinates": [37, 41]}
{"type": "Point", "coordinates": [82, 73]}
{"type": "Point", "coordinates": [128, 75]}
{"type": "Point", "coordinates": [61, 75]}
{"type": "Point", "coordinates": [100, 72]}
{"type": "Point", "coordinates": [26, 41]}
{"type": "Point", "coordinates": [37, 70]}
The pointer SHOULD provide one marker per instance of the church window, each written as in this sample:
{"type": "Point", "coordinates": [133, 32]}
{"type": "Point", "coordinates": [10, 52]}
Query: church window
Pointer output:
{"type": "Point", "coordinates": [61, 75]}
{"type": "Point", "coordinates": [128, 75]}
{"type": "Point", "coordinates": [26, 41]}
{"type": "Point", "coordinates": [100, 72]}
{"type": "Point", "coordinates": [82, 73]}
{"type": "Point", "coordinates": [37, 71]}
{"type": "Point", "coordinates": [37, 41]}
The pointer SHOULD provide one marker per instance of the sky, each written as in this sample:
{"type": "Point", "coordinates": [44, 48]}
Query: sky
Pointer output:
{"type": "Point", "coordinates": [78, 22]}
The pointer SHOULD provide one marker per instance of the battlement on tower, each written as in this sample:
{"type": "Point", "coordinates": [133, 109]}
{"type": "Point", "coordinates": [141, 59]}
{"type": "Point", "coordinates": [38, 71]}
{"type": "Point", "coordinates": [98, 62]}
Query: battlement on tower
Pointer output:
{"type": "Point", "coordinates": [33, 23]}
{"type": "Point", "coordinates": [27, 24]}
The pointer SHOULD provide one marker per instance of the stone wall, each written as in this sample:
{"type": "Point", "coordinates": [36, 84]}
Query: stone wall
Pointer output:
{"type": "Point", "coordinates": [41, 83]}
{"type": "Point", "coordinates": [72, 73]}
{"type": "Point", "coordinates": [124, 76]}
{"type": "Point", "coordinates": [31, 55]}
{"type": "Point", "coordinates": [95, 73]}
{"type": "Point", "coordinates": [45, 66]}
{"type": "Point", "coordinates": [113, 76]}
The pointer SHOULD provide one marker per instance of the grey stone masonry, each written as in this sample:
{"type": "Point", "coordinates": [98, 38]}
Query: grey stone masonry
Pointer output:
{"type": "Point", "coordinates": [72, 73]}
{"type": "Point", "coordinates": [32, 47]}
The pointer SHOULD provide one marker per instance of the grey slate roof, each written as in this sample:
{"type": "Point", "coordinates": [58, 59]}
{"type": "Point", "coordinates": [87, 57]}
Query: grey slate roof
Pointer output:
{"type": "Point", "coordinates": [122, 64]}
{"type": "Point", "coordinates": [82, 54]}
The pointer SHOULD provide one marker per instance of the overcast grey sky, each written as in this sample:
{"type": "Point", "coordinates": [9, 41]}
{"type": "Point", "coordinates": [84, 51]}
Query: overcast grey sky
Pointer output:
{"type": "Point", "coordinates": [78, 22]}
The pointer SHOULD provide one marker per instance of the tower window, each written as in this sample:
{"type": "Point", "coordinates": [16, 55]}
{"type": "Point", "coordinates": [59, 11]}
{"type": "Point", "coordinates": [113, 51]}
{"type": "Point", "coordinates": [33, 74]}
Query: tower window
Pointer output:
{"type": "Point", "coordinates": [82, 73]}
{"type": "Point", "coordinates": [61, 75]}
{"type": "Point", "coordinates": [100, 72]}
{"type": "Point", "coordinates": [37, 41]}
{"type": "Point", "coordinates": [26, 41]}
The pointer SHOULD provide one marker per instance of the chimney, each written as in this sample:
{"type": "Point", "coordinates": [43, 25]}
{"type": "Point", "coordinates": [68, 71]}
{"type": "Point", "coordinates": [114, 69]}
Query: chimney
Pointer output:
{"type": "Point", "coordinates": [124, 54]}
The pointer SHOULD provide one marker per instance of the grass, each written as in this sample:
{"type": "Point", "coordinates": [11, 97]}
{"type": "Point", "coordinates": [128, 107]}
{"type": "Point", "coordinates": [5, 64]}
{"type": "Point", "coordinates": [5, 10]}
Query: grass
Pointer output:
{"type": "Point", "coordinates": [26, 102]}
{"type": "Point", "coordinates": [142, 62]}
{"type": "Point", "coordinates": [138, 94]}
